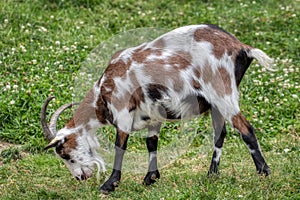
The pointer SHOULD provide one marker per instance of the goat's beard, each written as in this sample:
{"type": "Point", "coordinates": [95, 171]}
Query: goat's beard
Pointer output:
{"type": "Point", "coordinates": [99, 162]}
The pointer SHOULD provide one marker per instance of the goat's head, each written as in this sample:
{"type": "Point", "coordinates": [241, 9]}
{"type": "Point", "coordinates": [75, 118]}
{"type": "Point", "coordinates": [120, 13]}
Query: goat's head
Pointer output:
{"type": "Point", "coordinates": [72, 144]}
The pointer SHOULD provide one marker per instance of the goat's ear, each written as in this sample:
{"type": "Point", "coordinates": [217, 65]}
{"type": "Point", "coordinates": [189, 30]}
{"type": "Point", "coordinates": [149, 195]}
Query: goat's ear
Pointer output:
{"type": "Point", "coordinates": [53, 143]}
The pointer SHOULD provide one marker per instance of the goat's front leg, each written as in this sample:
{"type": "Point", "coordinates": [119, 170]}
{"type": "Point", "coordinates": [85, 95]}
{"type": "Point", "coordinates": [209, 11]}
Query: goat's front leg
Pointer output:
{"type": "Point", "coordinates": [218, 122]}
{"type": "Point", "coordinates": [115, 177]}
{"type": "Point", "coordinates": [152, 141]}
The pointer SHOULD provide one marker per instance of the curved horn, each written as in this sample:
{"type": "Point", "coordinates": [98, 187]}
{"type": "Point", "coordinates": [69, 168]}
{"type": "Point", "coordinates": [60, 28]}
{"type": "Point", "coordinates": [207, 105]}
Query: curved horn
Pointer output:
{"type": "Point", "coordinates": [50, 131]}
{"type": "Point", "coordinates": [52, 125]}
{"type": "Point", "coordinates": [48, 134]}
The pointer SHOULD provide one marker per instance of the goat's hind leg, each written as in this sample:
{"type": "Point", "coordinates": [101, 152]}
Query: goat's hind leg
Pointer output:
{"type": "Point", "coordinates": [240, 123]}
{"type": "Point", "coordinates": [230, 110]}
{"type": "Point", "coordinates": [219, 127]}
{"type": "Point", "coordinates": [152, 141]}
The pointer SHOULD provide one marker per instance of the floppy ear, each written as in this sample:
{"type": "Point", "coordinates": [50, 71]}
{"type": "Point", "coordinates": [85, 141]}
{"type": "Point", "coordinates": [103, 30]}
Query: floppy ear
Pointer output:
{"type": "Point", "coordinates": [53, 143]}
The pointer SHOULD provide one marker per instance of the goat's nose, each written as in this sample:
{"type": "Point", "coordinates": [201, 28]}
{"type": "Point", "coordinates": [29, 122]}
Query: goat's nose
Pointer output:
{"type": "Point", "coordinates": [83, 177]}
{"type": "Point", "coordinates": [77, 178]}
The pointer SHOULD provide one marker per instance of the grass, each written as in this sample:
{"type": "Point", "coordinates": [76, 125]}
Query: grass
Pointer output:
{"type": "Point", "coordinates": [43, 47]}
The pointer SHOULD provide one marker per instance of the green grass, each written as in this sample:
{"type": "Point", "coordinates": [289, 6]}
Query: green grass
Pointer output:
{"type": "Point", "coordinates": [43, 46]}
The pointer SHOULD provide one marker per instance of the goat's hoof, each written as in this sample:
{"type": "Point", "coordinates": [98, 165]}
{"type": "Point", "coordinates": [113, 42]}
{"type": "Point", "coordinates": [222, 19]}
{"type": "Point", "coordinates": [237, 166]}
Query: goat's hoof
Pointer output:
{"type": "Point", "coordinates": [265, 171]}
{"type": "Point", "coordinates": [213, 170]}
{"type": "Point", "coordinates": [109, 187]}
{"type": "Point", "coordinates": [212, 174]}
{"type": "Point", "coordinates": [151, 177]}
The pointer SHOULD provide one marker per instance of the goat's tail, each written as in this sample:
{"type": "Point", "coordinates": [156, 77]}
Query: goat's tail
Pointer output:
{"type": "Point", "coordinates": [262, 58]}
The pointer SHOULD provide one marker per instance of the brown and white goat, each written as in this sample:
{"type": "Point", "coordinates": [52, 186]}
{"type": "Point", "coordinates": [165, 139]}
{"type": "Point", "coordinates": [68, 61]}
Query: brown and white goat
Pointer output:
{"type": "Point", "coordinates": [180, 74]}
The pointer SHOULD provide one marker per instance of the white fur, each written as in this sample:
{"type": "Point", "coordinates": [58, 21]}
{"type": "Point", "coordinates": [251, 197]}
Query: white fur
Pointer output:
{"type": "Point", "coordinates": [218, 154]}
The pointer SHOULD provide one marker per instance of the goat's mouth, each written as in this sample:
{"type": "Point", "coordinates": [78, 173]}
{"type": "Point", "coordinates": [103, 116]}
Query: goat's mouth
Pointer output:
{"type": "Point", "coordinates": [84, 175]}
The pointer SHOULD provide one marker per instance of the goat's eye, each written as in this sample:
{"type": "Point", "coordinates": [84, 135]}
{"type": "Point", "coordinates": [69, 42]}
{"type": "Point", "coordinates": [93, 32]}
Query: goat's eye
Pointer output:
{"type": "Point", "coordinates": [72, 161]}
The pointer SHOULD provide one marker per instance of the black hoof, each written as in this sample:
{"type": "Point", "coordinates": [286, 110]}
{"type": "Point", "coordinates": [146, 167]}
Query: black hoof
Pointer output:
{"type": "Point", "coordinates": [265, 171]}
{"type": "Point", "coordinates": [213, 169]}
{"type": "Point", "coordinates": [151, 177]}
{"type": "Point", "coordinates": [111, 183]}
{"type": "Point", "coordinates": [108, 187]}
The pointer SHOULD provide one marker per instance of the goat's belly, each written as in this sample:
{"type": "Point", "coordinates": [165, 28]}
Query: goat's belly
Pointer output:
{"type": "Point", "coordinates": [159, 112]}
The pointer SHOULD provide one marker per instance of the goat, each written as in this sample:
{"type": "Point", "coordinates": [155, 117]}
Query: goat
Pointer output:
{"type": "Point", "coordinates": [182, 73]}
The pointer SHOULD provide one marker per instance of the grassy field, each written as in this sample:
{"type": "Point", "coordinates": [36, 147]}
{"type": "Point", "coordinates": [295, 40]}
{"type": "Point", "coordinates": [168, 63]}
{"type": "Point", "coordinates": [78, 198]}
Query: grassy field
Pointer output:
{"type": "Point", "coordinates": [43, 45]}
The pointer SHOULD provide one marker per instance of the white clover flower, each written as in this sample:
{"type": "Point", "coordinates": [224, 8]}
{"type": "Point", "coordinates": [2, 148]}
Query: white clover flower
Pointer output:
{"type": "Point", "coordinates": [34, 62]}
{"type": "Point", "coordinates": [43, 29]}
{"type": "Point", "coordinates": [294, 96]}
{"type": "Point", "coordinates": [266, 100]}
{"type": "Point", "coordinates": [5, 21]}
{"type": "Point", "coordinates": [57, 43]}
{"type": "Point", "coordinates": [12, 102]}
{"type": "Point", "coordinates": [286, 150]}
{"type": "Point", "coordinates": [23, 49]}
{"type": "Point", "coordinates": [15, 87]}
{"type": "Point", "coordinates": [51, 17]}
{"type": "Point", "coordinates": [8, 87]}
{"type": "Point", "coordinates": [66, 48]}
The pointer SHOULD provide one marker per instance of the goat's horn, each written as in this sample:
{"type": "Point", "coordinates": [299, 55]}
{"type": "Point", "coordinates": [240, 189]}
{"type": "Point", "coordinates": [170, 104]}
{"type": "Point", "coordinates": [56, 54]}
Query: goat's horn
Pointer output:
{"type": "Point", "coordinates": [48, 134]}
{"type": "Point", "coordinates": [50, 131]}
{"type": "Point", "coordinates": [52, 125]}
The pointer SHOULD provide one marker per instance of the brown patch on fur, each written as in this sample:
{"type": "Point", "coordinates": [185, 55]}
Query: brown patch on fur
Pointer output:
{"type": "Point", "coordinates": [221, 41]}
{"type": "Point", "coordinates": [85, 111]}
{"type": "Point", "coordinates": [225, 79]}
{"type": "Point", "coordinates": [102, 112]}
{"type": "Point", "coordinates": [207, 73]}
{"type": "Point", "coordinates": [70, 143]}
{"type": "Point", "coordinates": [117, 69]}
{"type": "Point", "coordinates": [161, 75]}
{"type": "Point", "coordinates": [136, 98]}
{"type": "Point", "coordinates": [180, 59]}
{"type": "Point", "coordinates": [220, 80]}
{"type": "Point", "coordinates": [196, 84]}
{"type": "Point", "coordinates": [197, 73]}
{"type": "Point", "coordinates": [240, 123]}
{"type": "Point", "coordinates": [122, 138]}
{"type": "Point", "coordinates": [140, 55]}
{"type": "Point", "coordinates": [71, 123]}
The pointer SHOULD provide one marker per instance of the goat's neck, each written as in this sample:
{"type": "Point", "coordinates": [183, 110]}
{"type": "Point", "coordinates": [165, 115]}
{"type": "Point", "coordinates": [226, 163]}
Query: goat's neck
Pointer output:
{"type": "Point", "coordinates": [86, 116]}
